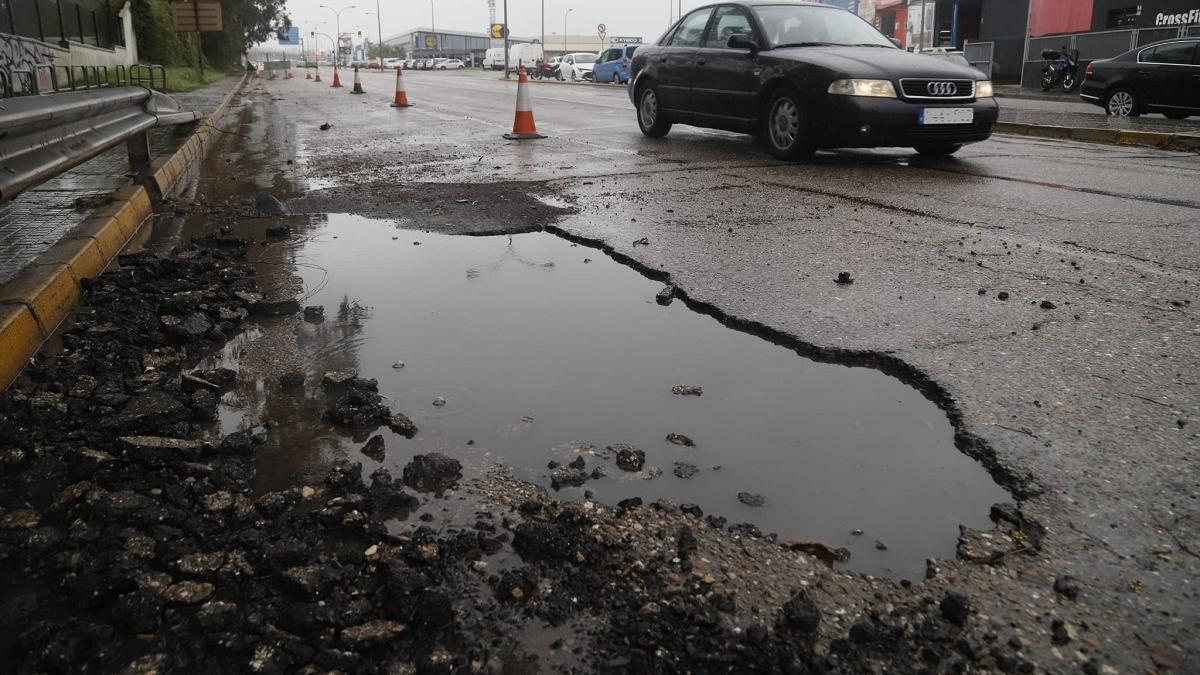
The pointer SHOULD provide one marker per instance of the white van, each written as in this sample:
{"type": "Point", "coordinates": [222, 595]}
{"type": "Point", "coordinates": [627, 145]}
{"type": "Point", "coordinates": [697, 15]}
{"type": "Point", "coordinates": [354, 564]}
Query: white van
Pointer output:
{"type": "Point", "coordinates": [494, 58]}
{"type": "Point", "coordinates": [524, 54]}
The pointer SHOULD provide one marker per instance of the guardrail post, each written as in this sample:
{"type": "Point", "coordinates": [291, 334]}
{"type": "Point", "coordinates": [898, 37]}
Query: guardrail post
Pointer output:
{"type": "Point", "coordinates": [139, 152]}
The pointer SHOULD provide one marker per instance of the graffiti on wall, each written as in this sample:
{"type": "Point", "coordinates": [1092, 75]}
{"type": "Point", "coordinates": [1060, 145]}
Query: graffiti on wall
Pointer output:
{"type": "Point", "coordinates": [20, 55]}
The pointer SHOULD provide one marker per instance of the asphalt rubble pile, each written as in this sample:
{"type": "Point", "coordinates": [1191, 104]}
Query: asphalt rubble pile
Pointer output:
{"type": "Point", "coordinates": [132, 542]}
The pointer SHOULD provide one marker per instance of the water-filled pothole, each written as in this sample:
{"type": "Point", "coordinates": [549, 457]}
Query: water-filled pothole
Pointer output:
{"type": "Point", "coordinates": [537, 345]}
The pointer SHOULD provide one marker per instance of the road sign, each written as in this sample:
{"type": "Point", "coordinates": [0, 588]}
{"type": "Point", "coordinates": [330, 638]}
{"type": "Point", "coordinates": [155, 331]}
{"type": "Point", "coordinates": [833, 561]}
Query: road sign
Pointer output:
{"type": "Point", "coordinates": [196, 17]}
{"type": "Point", "coordinates": [631, 40]}
{"type": "Point", "coordinates": [601, 28]}
{"type": "Point", "coordinates": [499, 31]}
{"type": "Point", "coordinates": [288, 36]}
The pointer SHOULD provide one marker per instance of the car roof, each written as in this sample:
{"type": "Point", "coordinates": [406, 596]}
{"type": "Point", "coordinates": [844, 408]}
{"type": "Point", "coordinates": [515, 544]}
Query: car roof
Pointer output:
{"type": "Point", "coordinates": [1187, 38]}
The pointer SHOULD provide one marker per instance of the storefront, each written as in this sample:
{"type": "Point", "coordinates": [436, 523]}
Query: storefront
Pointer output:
{"type": "Point", "coordinates": [891, 18]}
{"type": "Point", "coordinates": [1057, 17]}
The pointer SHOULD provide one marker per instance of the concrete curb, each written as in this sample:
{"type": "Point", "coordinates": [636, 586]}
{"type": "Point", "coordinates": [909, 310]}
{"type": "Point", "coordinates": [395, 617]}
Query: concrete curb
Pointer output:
{"type": "Point", "coordinates": [34, 303]}
{"type": "Point", "coordinates": [1152, 139]}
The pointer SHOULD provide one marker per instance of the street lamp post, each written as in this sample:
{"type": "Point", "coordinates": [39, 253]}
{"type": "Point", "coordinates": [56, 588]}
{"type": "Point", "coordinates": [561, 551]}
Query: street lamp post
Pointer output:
{"type": "Point", "coordinates": [565, 15]}
{"type": "Point", "coordinates": [337, 45]}
{"type": "Point", "coordinates": [380, 33]}
{"type": "Point", "coordinates": [432, 18]}
{"type": "Point", "coordinates": [379, 28]}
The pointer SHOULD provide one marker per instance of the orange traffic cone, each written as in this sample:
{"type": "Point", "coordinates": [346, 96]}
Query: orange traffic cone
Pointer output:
{"type": "Point", "coordinates": [401, 96]}
{"type": "Point", "coordinates": [318, 69]}
{"type": "Point", "coordinates": [357, 83]}
{"type": "Point", "coordinates": [307, 73]}
{"type": "Point", "coordinates": [289, 72]}
{"type": "Point", "coordinates": [337, 81]}
{"type": "Point", "coordinates": [523, 126]}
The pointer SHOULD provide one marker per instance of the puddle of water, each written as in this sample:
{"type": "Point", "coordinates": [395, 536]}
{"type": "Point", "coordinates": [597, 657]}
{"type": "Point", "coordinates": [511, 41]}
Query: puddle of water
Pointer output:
{"type": "Point", "coordinates": [533, 347]}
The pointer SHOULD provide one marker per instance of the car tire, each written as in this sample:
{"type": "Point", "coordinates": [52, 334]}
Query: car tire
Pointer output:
{"type": "Point", "coordinates": [937, 149]}
{"type": "Point", "coordinates": [785, 126]}
{"type": "Point", "coordinates": [1176, 115]}
{"type": "Point", "coordinates": [1121, 103]}
{"type": "Point", "coordinates": [651, 119]}
{"type": "Point", "coordinates": [616, 78]}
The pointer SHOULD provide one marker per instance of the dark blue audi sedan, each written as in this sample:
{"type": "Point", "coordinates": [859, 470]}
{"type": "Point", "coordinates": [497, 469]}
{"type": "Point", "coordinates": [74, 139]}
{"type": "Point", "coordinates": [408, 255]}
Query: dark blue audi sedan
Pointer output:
{"type": "Point", "coordinates": [805, 76]}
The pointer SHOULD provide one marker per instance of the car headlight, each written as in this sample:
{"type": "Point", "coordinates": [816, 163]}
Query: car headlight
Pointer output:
{"type": "Point", "coordinates": [983, 89]}
{"type": "Point", "coordinates": [876, 88]}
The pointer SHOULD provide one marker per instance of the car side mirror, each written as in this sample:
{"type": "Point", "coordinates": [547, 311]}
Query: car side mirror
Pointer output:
{"type": "Point", "coordinates": [742, 41]}
{"type": "Point", "coordinates": [896, 42]}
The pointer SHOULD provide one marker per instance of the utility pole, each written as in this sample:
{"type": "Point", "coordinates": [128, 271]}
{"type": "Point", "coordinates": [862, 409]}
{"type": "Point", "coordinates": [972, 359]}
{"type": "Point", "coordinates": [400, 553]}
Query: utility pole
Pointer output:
{"type": "Point", "coordinates": [379, 26]}
{"type": "Point", "coordinates": [505, 31]}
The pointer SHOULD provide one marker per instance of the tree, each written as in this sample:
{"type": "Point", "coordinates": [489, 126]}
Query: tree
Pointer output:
{"type": "Point", "coordinates": [246, 22]}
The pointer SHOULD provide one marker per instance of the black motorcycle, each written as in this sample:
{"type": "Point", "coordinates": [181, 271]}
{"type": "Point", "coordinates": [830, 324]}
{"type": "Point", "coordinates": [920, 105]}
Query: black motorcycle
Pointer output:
{"type": "Point", "coordinates": [1061, 68]}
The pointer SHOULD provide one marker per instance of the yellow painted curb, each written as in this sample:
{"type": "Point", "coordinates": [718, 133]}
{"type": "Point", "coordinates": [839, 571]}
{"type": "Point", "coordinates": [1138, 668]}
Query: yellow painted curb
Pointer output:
{"type": "Point", "coordinates": [49, 291]}
{"type": "Point", "coordinates": [20, 337]}
{"type": "Point", "coordinates": [167, 172]}
{"type": "Point", "coordinates": [35, 303]}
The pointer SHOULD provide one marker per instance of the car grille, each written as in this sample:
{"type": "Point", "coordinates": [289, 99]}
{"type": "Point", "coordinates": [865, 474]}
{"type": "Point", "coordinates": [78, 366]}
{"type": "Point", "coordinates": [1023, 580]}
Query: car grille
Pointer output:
{"type": "Point", "coordinates": [938, 90]}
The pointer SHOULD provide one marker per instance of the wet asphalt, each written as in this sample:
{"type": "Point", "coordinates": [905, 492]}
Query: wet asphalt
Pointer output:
{"type": "Point", "coordinates": [1078, 391]}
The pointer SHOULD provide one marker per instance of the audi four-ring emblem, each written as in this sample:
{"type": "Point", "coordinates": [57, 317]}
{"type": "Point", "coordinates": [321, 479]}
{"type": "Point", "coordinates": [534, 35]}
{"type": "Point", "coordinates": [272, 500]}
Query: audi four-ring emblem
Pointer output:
{"type": "Point", "coordinates": [941, 88]}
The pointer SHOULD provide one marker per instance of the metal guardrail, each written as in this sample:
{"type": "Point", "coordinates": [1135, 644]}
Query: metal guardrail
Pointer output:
{"type": "Point", "coordinates": [43, 136]}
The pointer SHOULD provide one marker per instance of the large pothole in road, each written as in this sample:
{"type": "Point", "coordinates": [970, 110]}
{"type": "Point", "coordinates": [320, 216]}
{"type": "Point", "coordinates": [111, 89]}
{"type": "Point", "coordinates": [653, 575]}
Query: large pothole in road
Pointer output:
{"type": "Point", "coordinates": [535, 352]}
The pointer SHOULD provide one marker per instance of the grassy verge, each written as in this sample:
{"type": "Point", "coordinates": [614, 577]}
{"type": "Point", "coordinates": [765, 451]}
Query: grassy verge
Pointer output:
{"type": "Point", "coordinates": [189, 78]}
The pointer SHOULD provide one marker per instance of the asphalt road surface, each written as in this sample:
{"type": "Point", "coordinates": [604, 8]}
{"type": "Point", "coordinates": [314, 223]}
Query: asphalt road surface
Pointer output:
{"type": "Point", "coordinates": [1078, 391]}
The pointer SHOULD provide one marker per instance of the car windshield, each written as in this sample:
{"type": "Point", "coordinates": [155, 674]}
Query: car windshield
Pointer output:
{"type": "Point", "coordinates": [801, 26]}
{"type": "Point", "coordinates": [585, 58]}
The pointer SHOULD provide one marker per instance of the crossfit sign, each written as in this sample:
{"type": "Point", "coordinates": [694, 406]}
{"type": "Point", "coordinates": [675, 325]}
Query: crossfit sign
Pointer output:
{"type": "Point", "coordinates": [1180, 19]}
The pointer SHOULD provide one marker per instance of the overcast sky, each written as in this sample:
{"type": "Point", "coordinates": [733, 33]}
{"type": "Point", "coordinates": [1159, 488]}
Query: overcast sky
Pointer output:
{"type": "Point", "coordinates": [626, 18]}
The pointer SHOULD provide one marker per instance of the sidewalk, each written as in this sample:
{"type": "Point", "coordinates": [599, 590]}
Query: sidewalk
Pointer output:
{"type": "Point", "coordinates": [35, 220]}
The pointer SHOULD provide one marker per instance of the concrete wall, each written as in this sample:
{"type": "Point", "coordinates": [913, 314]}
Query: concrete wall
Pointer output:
{"type": "Point", "coordinates": [23, 53]}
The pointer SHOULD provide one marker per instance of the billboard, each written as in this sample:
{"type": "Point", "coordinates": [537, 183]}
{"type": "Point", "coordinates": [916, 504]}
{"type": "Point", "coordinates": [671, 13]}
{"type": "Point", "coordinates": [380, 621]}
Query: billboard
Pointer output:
{"type": "Point", "coordinates": [288, 36]}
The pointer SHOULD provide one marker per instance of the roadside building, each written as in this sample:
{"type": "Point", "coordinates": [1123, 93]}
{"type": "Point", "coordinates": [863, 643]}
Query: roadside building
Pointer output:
{"type": "Point", "coordinates": [426, 43]}
{"type": "Point", "coordinates": [1005, 38]}
{"type": "Point", "coordinates": [1103, 28]}
{"type": "Point", "coordinates": [43, 43]}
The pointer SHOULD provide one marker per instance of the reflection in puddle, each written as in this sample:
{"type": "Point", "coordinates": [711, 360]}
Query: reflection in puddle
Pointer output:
{"type": "Point", "coordinates": [537, 354]}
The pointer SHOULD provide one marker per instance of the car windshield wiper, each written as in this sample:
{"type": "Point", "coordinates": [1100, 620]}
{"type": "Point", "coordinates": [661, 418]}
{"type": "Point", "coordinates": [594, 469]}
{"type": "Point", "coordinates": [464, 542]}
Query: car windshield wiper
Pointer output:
{"type": "Point", "coordinates": [805, 44]}
{"type": "Point", "coordinates": [873, 44]}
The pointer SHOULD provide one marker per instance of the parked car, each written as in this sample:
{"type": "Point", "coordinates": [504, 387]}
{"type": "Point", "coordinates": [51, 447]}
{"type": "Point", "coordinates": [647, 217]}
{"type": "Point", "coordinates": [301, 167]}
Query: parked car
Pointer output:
{"type": "Point", "coordinates": [806, 76]}
{"type": "Point", "coordinates": [373, 64]}
{"type": "Point", "coordinates": [393, 63]}
{"type": "Point", "coordinates": [577, 66]}
{"type": "Point", "coordinates": [1163, 77]}
{"type": "Point", "coordinates": [613, 64]}
{"type": "Point", "coordinates": [450, 64]}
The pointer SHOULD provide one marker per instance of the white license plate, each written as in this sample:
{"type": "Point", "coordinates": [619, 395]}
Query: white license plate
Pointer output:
{"type": "Point", "coordinates": [946, 116]}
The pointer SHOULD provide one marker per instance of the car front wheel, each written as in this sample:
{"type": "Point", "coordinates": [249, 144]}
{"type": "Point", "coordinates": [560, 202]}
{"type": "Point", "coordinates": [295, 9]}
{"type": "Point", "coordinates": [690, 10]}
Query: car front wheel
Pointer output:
{"type": "Point", "coordinates": [786, 131]}
{"type": "Point", "coordinates": [938, 149]}
{"type": "Point", "coordinates": [651, 119]}
{"type": "Point", "coordinates": [1121, 103]}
